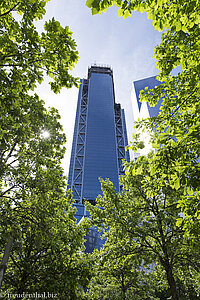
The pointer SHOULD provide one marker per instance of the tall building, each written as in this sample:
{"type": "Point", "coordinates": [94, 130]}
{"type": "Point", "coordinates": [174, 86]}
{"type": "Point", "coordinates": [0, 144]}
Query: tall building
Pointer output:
{"type": "Point", "coordinates": [99, 141]}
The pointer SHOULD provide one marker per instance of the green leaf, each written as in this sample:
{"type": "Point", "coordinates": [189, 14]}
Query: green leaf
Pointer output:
{"type": "Point", "coordinates": [120, 12]}
{"type": "Point", "coordinates": [179, 222]}
{"type": "Point", "coordinates": [89, 3]}
{"type": "Point", "coordinates": [177, 183]}
{"type": "Point", "coordinates": [178, 26]}
{"type": "Point", "coordinates": [95, 11]}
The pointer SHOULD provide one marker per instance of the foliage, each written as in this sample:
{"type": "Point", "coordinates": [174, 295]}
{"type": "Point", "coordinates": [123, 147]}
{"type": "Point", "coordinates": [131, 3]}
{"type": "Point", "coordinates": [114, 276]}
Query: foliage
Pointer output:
{"type": "Point", "coordinates": [47, 252]}
{"type": "Point", "coordinates": [160, 208]}
{"type": "Point", "coordinates": [176, 128]}
{"type": "Point", "coordinates": [139, 224]}
{"type": "Point", "coordinates": [164, 13]}
{"type": "Point", "coordinates": [34, 208]}
{"type": "Point", "coordinates": [26, 55]}
{"type": "Point", "coordinates": [118, 277]}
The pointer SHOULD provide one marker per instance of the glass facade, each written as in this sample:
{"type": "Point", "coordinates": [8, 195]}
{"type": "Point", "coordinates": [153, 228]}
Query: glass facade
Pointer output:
{"type": "Point", "coordinates": [99, 142]}
{"type": "Point", "coordinates": [100, 136]}
{"type": "Point", "coordinates": [139, 85]}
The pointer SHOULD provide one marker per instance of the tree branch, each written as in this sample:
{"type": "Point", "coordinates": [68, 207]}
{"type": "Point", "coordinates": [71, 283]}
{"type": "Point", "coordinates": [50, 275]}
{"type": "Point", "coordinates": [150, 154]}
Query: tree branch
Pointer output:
{"type": "Point", "coordinates": [6, 13]}
{"type": "Point", "coordinates": [10, 153]}
{"type": "Point", "coordinates": [8, 190]}
{"type": "Point", "coordinates": [185, 100]}
{"type": "Point", "coordinates": [15, 263]}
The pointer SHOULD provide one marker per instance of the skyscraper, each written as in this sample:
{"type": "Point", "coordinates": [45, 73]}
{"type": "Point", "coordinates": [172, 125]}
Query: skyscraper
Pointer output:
{"type": "Point", "coordinates": [100, 138]}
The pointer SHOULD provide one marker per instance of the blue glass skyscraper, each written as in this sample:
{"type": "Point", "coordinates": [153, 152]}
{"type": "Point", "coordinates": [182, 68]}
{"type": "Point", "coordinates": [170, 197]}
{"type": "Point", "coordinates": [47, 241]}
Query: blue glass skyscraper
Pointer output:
{"type": "Point", "coordinates": [100, 138]}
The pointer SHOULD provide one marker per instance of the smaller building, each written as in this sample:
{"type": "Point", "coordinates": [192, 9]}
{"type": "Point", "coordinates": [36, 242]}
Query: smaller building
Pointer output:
{"type": "Point", "coordinates": [142, 110]}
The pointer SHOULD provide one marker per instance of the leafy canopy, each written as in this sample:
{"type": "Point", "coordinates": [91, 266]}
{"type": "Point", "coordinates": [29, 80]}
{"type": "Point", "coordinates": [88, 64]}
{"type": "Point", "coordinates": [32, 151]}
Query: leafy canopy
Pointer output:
{"type": "Point", "coordinates": [176, 129]}
{"type": "Point", "coordinates": [35, 212]}
{"type": "Point", "coordinates": [143, 239]}
{"type": "Point", "coordinates": [173, 171]}
{"type": "Point", "coordinates": [26, 55]}
{"type": "Point", "coordinates": [164, 13]}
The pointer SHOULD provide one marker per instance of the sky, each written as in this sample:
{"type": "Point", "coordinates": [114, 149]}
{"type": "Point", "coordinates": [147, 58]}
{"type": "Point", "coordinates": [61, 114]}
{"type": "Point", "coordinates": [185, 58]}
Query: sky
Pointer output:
{"type": "Point", "coordinates": [127, 45]}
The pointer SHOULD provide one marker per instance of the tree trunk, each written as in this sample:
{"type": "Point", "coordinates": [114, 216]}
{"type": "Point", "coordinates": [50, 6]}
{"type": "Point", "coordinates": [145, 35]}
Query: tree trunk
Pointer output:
{"type": "Point", "coordinates": [123, 287]}
{"type": "Point", "coordinates": [5, 259]}
{"type": "Point", "coordinates": [171, 281]}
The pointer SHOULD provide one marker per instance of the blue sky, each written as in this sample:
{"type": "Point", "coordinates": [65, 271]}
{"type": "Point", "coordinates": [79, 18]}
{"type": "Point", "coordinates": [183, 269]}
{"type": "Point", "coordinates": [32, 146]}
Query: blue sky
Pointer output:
{"type": "Point", "coordinates": [127, 45]}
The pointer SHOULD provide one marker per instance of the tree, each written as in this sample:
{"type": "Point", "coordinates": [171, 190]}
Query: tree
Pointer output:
{"type": "Point", "coordinates": [36, 215]}
{"type": "Point", "coordinates": [35, 211]}
{"type": "Point", "coordinates": [176, 129]}
{"type": "Point", "coordinates": [140, 227]}
{"type": "Point", "coordinates": [165, 14]}
{"type": "Point", "coordinates": [48, 252]}
{"type": "Point", "coordinates": [177, 126]}
{"type": "Point", "coordinates": [119, 277]}
{"type": "Point", "coordinates": [26, 55]}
